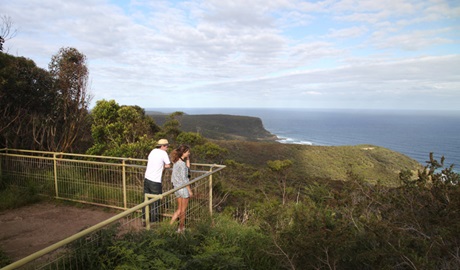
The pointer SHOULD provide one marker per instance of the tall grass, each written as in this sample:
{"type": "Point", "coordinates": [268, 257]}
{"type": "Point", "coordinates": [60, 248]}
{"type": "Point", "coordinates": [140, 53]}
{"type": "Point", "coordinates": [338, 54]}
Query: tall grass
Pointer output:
{"type": "Point", "coordinates": [12, 196]}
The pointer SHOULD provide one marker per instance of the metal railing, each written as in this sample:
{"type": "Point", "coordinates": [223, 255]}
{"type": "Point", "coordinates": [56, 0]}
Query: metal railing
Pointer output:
{"type": "Point", "coordinates": [104, 181]}
{"type": "Point", "coordinates": [99, 180]}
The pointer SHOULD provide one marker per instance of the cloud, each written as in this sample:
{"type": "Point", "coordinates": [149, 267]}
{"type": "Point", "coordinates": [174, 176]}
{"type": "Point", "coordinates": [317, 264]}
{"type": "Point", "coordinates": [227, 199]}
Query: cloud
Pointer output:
{"type": "Point", "coordinates": [251, 53]}
{"type": "Point", "coordinates": [346, 33]}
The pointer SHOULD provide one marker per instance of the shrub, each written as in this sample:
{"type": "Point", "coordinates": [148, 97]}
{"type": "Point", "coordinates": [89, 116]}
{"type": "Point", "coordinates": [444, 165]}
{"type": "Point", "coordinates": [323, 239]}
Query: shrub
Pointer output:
{"type": "Point", "coordinates": [4, 259]}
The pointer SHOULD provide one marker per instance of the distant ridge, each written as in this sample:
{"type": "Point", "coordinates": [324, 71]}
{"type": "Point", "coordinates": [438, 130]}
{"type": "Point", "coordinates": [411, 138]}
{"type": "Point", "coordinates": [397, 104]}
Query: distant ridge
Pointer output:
{"type": "Point", "coordinates": [221, 126]}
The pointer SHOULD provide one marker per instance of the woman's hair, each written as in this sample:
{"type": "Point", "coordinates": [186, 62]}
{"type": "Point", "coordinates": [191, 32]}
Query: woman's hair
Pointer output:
{"type": "Point", "coordinates": [177, 153]}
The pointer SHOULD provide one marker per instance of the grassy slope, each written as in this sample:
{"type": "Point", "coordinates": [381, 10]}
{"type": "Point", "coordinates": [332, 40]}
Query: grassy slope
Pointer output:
{"type": "Point", "coordinates": [373, 163]}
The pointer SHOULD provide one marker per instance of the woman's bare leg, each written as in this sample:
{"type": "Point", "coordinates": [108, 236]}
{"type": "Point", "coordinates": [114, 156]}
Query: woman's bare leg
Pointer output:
{"type": "Point", "coordinates": [178, 211]}
{"type": "Point", "coordinates": [183, 211]}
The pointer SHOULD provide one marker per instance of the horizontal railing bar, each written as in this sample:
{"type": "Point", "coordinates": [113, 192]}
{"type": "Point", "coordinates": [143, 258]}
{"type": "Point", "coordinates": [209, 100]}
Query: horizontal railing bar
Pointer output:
{"type": "Point", "coordinates": [90, 203]}
{"type": "Point", "coordinates": [74, 160]}
{"type": "Point", "coordinates": [70, 155]}
{"type": "Point", "coordinates": [105, 163]}
{"type": "Point", "coordinates": [189, 183]}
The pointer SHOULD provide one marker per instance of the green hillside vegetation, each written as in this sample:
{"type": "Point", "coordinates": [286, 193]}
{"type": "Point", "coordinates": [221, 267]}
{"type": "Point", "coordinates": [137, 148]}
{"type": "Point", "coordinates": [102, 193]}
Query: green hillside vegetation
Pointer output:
{"type": "Point", "coordinates": [310, 163]}
{"type": "Point", "coordinates": [257, 171]}
{"type": "Point", "coordinates": [220, 126]}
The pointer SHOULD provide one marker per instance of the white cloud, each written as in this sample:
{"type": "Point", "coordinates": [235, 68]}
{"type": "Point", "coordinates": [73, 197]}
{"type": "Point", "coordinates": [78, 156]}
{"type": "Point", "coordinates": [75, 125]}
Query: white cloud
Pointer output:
{"type": "Point", "coordinates": [345, 33]}
{"type": "Point", "coordinates": [333, 53]}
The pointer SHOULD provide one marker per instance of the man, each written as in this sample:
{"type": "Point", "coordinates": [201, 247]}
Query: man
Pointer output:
{"type": "Point", "coordinates": [158, 160]}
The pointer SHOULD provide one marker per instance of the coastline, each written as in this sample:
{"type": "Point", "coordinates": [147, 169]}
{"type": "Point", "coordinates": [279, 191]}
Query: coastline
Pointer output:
{"type": "Point", "coordinates": [414, 133]}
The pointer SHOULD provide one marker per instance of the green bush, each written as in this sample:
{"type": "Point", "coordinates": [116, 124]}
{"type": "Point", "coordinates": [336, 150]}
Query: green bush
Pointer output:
{"type": "Point", "coordinates": [4, 259]}
{"type": "Point", "coordinates": [364, 226]}
{"type": "Point", "coordinates": [224, 245]}
{"type": "Point", "coordinates": [14, 196]}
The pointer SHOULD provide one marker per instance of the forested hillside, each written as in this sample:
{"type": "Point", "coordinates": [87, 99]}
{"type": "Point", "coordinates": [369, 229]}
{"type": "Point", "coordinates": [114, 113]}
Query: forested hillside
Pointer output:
{"type": "Point", "coordinates": [221, 127]}
{"type": "Point", "coordinates": [372, 163]}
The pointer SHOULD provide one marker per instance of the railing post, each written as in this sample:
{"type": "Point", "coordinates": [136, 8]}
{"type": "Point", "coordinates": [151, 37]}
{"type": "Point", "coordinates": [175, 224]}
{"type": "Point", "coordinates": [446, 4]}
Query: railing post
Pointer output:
{"type": "Point", "coordinates": [210, 193]}
{"type": "Point", "coordinates": [147, 213]}
{"type": "Point", "coordinates": [55, 175]}
{"type": "Point", "coordinates": [125, 204]}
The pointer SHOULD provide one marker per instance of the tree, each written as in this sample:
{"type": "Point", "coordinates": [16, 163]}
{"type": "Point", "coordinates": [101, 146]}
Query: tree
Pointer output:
{"type": "Point", "coordinates": [171, 128]}
{"type": "Point", "coordinates": [208, 152]}
{"type": "Point", "coordinates": [70, 78]}
{"type": "Point", "coordinates": [190, 138]}
{"type": "Point", "coordinates": [281, 169]}
{"type": "Point", "coordinates": [44, 110]}
{"type": "Point", "coordinates": [121, 130]}
{"type": "Point", "coordinates": [6, 31]}
{"type": "Point", "coordinates": [435, 173]}
{"type": "Point", "coordinates": [26, 102]}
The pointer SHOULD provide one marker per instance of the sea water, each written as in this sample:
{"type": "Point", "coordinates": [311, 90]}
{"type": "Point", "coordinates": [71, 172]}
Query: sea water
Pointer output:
{"type": "Point", "coordinates": [412, 133]}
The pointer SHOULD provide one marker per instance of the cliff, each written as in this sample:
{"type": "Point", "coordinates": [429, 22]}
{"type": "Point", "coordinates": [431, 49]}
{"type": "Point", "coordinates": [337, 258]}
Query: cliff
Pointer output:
{"type": "Point", "coordinates": [221, 126]}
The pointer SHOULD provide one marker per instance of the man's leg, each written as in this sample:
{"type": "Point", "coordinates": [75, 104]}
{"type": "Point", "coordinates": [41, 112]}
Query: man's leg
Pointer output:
{"type": "Point", "coordinates": [155, 208]}
{"type": "Point", "coordinates": [147, 190]}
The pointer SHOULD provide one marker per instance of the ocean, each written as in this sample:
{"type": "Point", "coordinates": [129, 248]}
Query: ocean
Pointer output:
{"type": "Point", "coordinates": [412, 133]}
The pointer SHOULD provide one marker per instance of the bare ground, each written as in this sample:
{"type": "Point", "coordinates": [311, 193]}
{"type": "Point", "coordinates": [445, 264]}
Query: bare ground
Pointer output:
{"type": "Point", "coordinates": [31, 228]}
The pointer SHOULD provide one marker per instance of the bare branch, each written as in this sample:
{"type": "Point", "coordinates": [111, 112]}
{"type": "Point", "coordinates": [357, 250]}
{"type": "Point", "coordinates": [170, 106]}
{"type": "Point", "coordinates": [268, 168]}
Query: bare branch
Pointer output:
{"type": "Point", "coordinates": [6, 30]}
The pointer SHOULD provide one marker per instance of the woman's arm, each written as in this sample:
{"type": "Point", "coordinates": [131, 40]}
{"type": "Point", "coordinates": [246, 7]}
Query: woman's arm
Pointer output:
{"type": "Point", "coordinates": [186, 177]}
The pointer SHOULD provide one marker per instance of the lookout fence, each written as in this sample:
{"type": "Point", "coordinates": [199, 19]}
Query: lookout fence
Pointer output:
{"type": "Point", "coordinates": [98, 180]}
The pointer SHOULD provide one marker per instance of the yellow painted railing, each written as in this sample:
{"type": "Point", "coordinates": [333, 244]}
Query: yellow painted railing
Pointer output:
{"type": "Point", "coordinates": [105, 181]}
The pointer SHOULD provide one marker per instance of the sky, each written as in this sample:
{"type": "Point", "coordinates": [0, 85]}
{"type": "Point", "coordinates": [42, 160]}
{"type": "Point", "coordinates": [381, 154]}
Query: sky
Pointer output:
{"type": "Point", "coordinates": [360, 54]}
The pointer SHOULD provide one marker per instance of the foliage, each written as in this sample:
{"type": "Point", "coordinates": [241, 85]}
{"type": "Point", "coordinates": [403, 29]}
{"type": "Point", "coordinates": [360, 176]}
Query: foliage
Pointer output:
{"type": "Point", "coordinates": [323, 163]}
{"type": "Point", "coordinates": [209, 152]}
{"type": "Point", "coordinates": [122, 131]}
{"type": "Point", "coordinates": [93, 256]}
{"type": "Point", "coordinates": [171, 128]}
{"type": "Point", "coordinates": [4, 259]}
{"type": "Point", "coordinates": [12, 196]}
{"type": "Point", "coordinates": [126, 131]}
{"type": "Point", "coordinates": [6, 30]}
{"type": "Point", "coordinates": [237, 187]}
{"type": "Point", "coordinates": [351, 225]}
{"type": "Point", "coordinates": [356, 226]}
{"type": "Point", "coordinates": [25, 92]}
{"type": "Point", "coordinates": [365, 226]}
{"type": "Point", "coordinates": [70, 81]}
{"type": "Point", "coordinates": [44, 110]}
{"type": "Point", "coordinates": [230, 245]}
{"type": "Point", "coordinates": [280, 168]}
{"type": "Point", "coordinates": [190, 138]}
{"type": "Point", "coordinates": [433, 174]}
{"type": "Point", "coordinates": [225, 245]}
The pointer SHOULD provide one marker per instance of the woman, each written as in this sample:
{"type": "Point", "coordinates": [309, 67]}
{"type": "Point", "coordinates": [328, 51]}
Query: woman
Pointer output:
{"type": "Point", "coordinates": [179, 177]}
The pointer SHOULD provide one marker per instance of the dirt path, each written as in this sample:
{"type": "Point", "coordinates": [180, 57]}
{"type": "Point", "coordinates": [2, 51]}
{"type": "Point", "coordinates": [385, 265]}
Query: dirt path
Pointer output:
{"type": "Point", "coordinates": [28, 229]}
